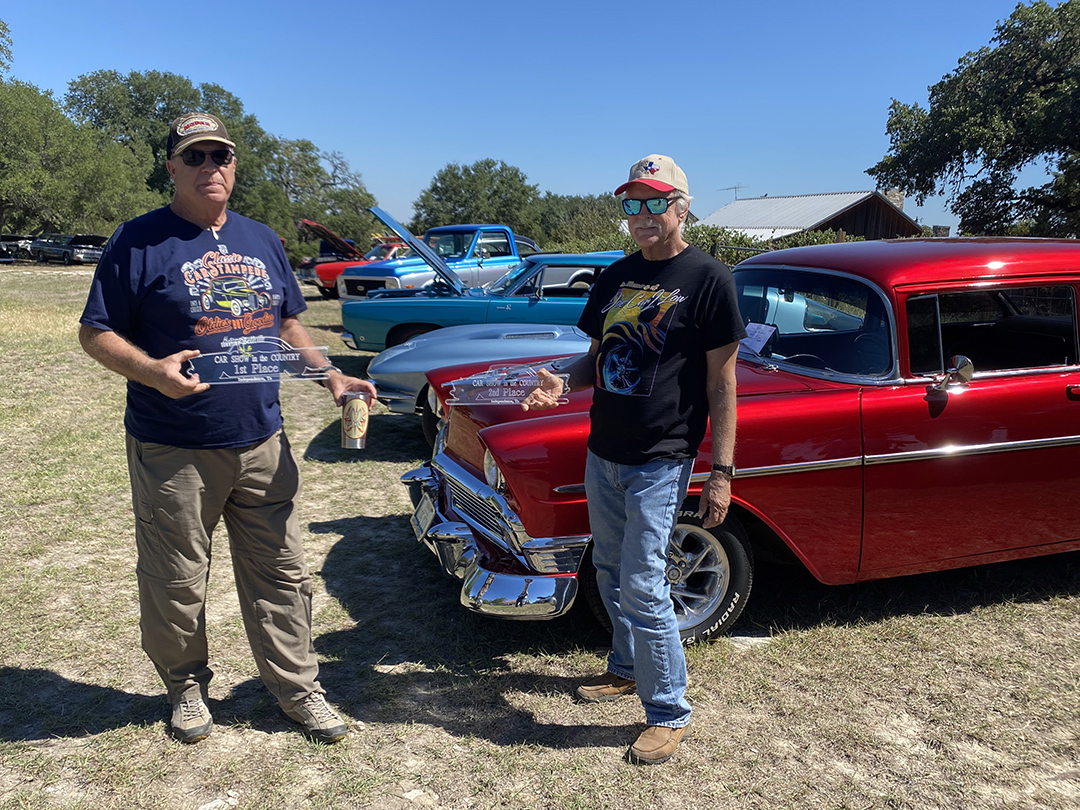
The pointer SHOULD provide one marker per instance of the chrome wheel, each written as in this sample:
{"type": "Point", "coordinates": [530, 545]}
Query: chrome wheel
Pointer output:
{"type": "Point", "coordinates": [698, 570]}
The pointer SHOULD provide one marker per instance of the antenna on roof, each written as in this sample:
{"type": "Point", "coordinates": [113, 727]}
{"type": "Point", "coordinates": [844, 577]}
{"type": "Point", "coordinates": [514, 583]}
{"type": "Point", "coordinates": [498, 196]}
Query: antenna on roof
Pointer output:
{"type": "Point", "coordinates": [734, 188]}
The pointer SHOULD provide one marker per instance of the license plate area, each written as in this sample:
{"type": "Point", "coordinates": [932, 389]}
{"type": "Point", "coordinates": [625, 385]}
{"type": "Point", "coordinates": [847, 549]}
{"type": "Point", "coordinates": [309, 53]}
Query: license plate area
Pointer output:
{"type": "Point", "coordinates": [423, 517]}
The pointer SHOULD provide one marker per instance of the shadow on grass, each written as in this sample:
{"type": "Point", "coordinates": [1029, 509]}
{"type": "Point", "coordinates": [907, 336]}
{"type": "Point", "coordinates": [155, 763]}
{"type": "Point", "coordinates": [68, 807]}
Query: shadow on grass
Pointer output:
{"type": "Point", "coordinates": [416, 656]}
{"type": "Point", "coordinates": [789, 598]}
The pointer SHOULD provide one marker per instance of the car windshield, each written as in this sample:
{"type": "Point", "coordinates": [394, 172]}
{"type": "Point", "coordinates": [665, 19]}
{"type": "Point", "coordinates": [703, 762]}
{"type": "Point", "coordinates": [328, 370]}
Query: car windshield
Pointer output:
{"type": "Point", "coordinates": [450, 245]}
{"type": "Point", "coordinates": [513, 278]}
{"type": "Point", "coordinates": [380, 252]}
{"type": "Point", "coordinates": [815, 320]}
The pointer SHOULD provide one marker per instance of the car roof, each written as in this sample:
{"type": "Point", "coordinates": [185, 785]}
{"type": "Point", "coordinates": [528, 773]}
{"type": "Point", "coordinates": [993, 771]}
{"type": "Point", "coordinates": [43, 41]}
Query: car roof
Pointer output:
{"type": "Point", "coordinates": [453, 228]}
{"type": "Point", "coordinates": [898, 262]}
{"type": "Point", "coordinates": [601, 258]}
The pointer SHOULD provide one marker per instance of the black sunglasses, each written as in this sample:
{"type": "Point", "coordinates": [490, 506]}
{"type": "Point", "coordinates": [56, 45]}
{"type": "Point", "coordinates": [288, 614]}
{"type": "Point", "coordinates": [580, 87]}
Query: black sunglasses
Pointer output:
{"type": "Point", "coordinates": [657, 205]}
{"type": "Point", "coordinates": [196, 157]}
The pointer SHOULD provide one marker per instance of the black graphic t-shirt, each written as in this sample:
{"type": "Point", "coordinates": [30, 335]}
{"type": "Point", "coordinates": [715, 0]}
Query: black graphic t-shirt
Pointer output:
{"type": "Point", "coordinates": [166, 284]}
{"type": "Point", "coordinates": [655, 321]}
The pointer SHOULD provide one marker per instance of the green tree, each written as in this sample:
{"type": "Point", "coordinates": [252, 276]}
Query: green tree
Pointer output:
{"type": "Point", "coordinates": [566, 218]}
{"type": "Point", "coordinates": [5, 48]}
{"type": "Point", "coordinates": [488, 191]}
{"type": "Point", "coordinates": [58, 176]}
{"type": "Point", "coordinates": [278, 180]}
{"type": "Point", "coordinates": [1005, 107]}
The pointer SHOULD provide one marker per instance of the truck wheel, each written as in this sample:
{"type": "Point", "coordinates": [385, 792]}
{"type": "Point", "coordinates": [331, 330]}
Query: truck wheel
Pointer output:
{"type": "Point", "coordinates": [710, 571]}
{"type": "Point", "coordinates": [67, 259]}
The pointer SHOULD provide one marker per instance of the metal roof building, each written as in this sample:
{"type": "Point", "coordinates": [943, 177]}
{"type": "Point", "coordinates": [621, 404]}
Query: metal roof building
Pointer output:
{"type": "Point", "coordinates": [869, 214]}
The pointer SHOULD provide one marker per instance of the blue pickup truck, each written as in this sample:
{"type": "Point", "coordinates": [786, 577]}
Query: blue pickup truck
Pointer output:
{"type": "Point", "coordinates": [476, 253]}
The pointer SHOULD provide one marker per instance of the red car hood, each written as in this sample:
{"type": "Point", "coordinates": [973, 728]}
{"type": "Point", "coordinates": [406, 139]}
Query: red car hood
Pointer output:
{"type": "Point", "coordinates": [331, 238]}
{"type": "Point", "coordinates": [753, 380]}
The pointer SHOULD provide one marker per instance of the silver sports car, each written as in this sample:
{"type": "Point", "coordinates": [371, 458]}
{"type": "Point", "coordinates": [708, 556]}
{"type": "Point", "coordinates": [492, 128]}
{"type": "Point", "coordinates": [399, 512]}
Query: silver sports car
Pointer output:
{"type": "Point", "coordinates": [398, 373]}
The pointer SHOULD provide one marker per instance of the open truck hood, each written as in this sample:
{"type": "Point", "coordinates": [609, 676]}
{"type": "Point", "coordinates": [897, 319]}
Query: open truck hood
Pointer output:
{"type": "Point", "coordinates": [433, 259]}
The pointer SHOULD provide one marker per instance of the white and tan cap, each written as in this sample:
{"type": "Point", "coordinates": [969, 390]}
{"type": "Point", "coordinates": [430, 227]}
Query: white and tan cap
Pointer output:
{"type": "Point", "coordinates": [659, 172]}
{"type": "Point", "coordinates": [194, 127]}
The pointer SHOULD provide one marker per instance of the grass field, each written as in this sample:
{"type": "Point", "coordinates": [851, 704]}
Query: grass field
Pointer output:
{"type": "Point", "coordinates": [956, 690]}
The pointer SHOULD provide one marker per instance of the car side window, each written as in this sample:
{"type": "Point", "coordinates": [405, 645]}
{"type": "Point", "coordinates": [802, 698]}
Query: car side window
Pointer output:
{"type": "Point", "coordinates": [1002, 329]}
{"type": "Point", "coordinates": [494, 244]}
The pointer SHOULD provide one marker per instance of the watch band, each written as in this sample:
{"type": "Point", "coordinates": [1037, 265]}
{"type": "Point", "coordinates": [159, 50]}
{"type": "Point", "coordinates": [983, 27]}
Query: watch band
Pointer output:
{"type": "Point", "coordinates": [725, 469]}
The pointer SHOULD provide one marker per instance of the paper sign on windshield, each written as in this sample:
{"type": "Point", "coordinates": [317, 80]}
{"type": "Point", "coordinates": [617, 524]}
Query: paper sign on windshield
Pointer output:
{"type": "Point", "coordinates": [757, 335]}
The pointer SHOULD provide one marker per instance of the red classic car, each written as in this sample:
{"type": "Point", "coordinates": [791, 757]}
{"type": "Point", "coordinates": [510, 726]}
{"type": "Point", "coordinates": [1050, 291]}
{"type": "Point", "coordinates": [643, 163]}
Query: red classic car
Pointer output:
{"type": "Point", "coordinates": [883, 384]}
{"type": "Point", "coordinates": [323, 270]}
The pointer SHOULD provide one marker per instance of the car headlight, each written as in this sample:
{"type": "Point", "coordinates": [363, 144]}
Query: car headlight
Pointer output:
{"type": "Point", "coordinates": [433, 402]}
{"type": "Point", "coordinates": [492, 474]}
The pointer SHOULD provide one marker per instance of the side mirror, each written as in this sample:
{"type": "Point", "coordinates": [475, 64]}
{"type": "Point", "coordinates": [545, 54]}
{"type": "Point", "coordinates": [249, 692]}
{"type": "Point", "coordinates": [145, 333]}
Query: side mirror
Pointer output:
{"type": "Point", "coordinates": [959, 372]}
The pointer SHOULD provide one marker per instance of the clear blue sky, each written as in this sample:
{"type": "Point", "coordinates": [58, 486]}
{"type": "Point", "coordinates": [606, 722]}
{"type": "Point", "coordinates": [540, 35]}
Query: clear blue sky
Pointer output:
{"type": "Point", "coordinates": [779, 96]}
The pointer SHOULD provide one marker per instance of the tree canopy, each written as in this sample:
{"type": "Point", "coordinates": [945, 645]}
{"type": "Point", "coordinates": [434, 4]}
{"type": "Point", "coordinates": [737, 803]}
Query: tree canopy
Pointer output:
{"type": "Point", "coordinates": [1008, 106]}
{"type": "Point", "coordinates": [54, 175]}
{"type": "Point", "coordinates": [5, 48]}
{"type": "Point", "coordinates": [486, 191]}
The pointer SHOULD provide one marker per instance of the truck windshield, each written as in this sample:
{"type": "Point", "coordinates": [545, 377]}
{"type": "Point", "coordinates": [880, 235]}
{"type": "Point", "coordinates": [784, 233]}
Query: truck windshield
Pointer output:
{"type": "Point", "coordinates": [450, 245]}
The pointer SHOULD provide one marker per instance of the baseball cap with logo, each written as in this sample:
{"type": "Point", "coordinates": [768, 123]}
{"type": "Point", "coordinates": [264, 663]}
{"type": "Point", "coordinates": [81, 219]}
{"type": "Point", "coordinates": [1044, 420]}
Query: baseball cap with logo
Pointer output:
{"type": "Point", "coordinates": [192, 128]}
{"type": "Point", "coordinates": [659, 172]}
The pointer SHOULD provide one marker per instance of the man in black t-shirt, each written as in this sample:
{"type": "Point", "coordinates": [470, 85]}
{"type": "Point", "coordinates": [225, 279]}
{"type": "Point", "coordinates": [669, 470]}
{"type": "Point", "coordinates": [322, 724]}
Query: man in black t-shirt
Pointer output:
{"type": "Point", "coordinates": [665, 328]}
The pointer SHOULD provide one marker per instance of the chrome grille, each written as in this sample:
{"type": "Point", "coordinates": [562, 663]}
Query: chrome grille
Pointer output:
{"type": "Point", "coordinates": [359, 287]}
{"type": "Point", "coordinates": [475, 509]}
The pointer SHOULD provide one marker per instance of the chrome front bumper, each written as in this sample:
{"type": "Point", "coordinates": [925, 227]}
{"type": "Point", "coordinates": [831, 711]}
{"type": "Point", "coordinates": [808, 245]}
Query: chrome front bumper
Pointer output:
{"type": "Point", "coordinates": [528, 595]}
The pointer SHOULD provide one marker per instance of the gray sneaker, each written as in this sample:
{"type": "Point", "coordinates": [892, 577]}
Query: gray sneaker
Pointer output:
{"type": "Point", "coordinates": [191, 721]}
{"type": "Point", "coordinates": [317, 720]}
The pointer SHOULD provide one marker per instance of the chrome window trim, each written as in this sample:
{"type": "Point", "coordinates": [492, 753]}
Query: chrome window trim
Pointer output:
{"type": "Point", "coordinates": [891, 377]}
{"type": "Point", "coordinates": [950, 451]}
{"type": "Point", "coordinates": [930, 453]}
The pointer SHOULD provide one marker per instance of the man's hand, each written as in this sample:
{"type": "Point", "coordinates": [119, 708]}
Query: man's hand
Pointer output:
{"type": "Point", "coordinates": [546, 395]}
{"type": "Point", "coordinates": [339, 384]}
{"type": "Point", "coordinates": [167, 375]}
{"type": "Point", "coordinates": [715, 500]}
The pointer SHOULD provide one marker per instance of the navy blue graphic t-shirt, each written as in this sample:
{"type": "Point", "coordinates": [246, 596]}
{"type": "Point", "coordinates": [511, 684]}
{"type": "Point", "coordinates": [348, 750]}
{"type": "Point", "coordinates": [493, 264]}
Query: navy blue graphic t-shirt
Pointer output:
{"type": "Point", "coordinates": [166, 284]}
{"type": "Point", "coordinates": [655, 321]}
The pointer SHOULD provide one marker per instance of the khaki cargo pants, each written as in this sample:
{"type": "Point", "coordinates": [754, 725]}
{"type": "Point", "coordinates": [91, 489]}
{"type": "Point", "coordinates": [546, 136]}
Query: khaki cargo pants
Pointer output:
{"type": "Point", "coordinates": [179, 495]}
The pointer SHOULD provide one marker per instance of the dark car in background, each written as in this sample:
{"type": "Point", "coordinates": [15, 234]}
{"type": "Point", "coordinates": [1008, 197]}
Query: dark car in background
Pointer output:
{"type": "Point", "coordinates": [68, 248]}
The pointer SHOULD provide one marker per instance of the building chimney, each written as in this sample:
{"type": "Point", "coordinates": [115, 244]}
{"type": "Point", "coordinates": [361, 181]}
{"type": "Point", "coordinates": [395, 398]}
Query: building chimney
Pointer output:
{"type": "Point", "coordinates": [895, 196]}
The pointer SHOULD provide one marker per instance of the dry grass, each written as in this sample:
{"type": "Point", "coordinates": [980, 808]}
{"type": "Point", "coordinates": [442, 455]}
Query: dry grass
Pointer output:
{"type": "Point", "coordinates": [956, 690]}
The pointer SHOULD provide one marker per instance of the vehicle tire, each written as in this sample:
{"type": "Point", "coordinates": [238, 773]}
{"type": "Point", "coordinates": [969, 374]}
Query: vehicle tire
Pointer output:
{"type": "Point", "coordinates": [400, 334]}
{"type": "Point", "coordinates": [67, 259]}
{"type": "Point", "coordinates": [428, 418]}
{"type": "Point", "coordinates": [711, 571]}
{"type": "Point", "coordinates": [327, 293]}
{"type": "Point", "coordinates": [41, 258]}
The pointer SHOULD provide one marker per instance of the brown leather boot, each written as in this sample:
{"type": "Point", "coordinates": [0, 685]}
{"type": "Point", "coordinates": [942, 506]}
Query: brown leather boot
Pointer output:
{"type": "Point", "coordinates": [656, 744]}
{"type": "Point", "coordinates": [603, 688]}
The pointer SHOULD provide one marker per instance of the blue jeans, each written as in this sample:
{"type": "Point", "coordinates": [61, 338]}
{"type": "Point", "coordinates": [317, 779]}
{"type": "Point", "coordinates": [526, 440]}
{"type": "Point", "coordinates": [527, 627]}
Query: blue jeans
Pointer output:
{"type": "Point", "coordinates": [632, 513]}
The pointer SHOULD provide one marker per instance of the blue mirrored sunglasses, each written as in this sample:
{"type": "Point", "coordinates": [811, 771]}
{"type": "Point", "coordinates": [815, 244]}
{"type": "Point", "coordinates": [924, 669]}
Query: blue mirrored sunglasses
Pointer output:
{"type": "Point", "coordinates": [657, 205]}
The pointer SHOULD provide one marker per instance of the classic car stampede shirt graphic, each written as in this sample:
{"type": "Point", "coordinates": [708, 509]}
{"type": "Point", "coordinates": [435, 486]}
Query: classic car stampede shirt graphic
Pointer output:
{"type": "Point", "coordinates": [230, 294]}
{"type": "Point", "coordinates": [636, 323]}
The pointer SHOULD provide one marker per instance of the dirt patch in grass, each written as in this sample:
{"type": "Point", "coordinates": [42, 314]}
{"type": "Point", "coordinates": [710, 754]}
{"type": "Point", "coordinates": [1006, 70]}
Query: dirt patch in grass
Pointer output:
{"type": "Point", "coordinates": [953, 690]}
